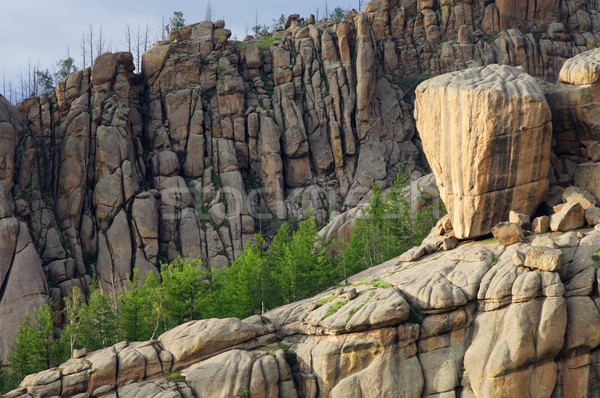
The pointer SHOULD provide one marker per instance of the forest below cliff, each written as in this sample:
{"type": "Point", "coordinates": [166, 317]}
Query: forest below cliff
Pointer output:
{"type": "Point", "coordinates": [296, 264]}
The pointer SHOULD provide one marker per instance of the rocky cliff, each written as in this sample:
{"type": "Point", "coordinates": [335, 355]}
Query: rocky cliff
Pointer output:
{"type": "Point", "coordinates": [216, 140]}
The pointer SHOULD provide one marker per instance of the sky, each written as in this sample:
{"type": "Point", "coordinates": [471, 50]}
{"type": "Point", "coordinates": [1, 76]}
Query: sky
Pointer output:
{"type": "Point", "coordinates": [44, 31]}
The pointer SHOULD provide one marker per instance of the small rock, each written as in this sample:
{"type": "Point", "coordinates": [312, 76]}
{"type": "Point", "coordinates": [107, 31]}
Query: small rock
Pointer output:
{"type": "Point", "coordinates": [591, 150]}
{"type": "Point", "coordinates": [579, 195]}
{"type": "Point", "coordinates": [592, 216]}
{"type": "Point", "coordinates": [449, 243]}
{"type": "Point", "coordinates": [79, 353]}
{"type": "Point", "coordinates": [339, 291]}
{"type": "Point", "coordinates": [544, 241]}
{"type": "Point", "coordinates": [518, 258]}
{"type": "Point", "coordinates": [540, 225]}
{"type": "Point", "coordinates": [558, 207]}
{"type": "Point", "coordinates": [554, 197]}
{"type": "Point", "coordinates": [312, 306]}
{"type": "Point", "coordinates": [414, 254]}
{"type": "Point", "coordinates": [522, 219]}
{"type": "Point", "coordinates": [587, 177]}
{"type": "Point", "coordinates": [544, 258]}
{"type": "Point", "coordinates": [351, 294]}
{"type": "Point", "coordinates": [508, 233]}
{"type": "Point", "coordinates": [570, 217]}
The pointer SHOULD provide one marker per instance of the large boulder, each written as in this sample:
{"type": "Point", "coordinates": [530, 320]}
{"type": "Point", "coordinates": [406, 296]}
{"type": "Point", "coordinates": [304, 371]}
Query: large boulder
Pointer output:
{"type": "Point", "coordinates": [487, 134]}
{"type": "Point", "coordinates": [575, 105]}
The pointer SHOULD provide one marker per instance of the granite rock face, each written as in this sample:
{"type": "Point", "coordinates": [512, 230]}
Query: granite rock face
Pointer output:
{"type": "Point", "coordinates": [23, 285]}
{"type": "Point", "coordinates": [463, 322]}
{"type": "Point", "coordinates": [216, 140]}
{"type": "Point", "coordinates": [487, 135]}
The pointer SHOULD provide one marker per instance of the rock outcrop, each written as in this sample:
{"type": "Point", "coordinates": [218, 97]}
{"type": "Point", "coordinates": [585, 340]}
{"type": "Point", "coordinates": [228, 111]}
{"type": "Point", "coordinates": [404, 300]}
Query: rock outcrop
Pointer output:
{"type": "Point", "coordinates": [215, 140]}
{"type": "Point", "coordinates": [466, 322]}
{"type": "Point", "coordinates": [23, 284]}
{"type": "Point", "coordinates": [487, 135]}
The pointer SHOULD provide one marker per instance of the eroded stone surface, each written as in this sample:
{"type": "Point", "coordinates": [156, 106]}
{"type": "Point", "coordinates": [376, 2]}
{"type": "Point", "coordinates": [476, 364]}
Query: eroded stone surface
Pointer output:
{"type": "Point", "coordinates": [486, 162]}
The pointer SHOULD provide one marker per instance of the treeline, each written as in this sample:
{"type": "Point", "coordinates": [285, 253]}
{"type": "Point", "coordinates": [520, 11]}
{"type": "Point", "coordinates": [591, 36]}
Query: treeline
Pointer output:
{"type": "Point", "coordinates": [297, 264]}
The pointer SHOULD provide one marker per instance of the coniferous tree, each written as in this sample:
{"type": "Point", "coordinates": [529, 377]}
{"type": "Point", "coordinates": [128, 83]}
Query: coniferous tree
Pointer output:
{"type": "Point", "coordinates": [138, 314]}
{"type": "Point", "coordinates": [98, 321]}
{"type": "Point", "coordinates": [299, 261]}
{"type": "Point", "coordinates": [246, 287]}
{"type": "Point", "coordinates": [185, 284]}
{"type": "Point", "coordinates": [35, 347]}
{"type": "Point", "coordinates": [386, 230]}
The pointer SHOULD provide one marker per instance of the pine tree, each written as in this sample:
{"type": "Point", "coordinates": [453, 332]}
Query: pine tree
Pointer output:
{"type": "Point", "coordinates": [246, 287]}
{"type": "Point", "coordinates": [299, 261]}
{"type": "Point", "coordinates": [185, 284]}
{"type": "Point", "coordinates": [35, 348]}
{"type": "Point", "coordinates": [386, 230]}
{"type": "Point", "coordinates": [22, 356]}
{"type": "Point", "coordinates": [97, 321]}
{"type": "Point", "coordinates": [138, 317]}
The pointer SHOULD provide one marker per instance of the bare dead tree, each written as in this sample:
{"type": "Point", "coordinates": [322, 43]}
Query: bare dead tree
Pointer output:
{"type": "Point", "coordinates": [142, 40]}
{"type": "Point", "coordinates": [326, 10]}
{"type": "Point", "coordinates": [90, 43]}
{"type": "Point", "coordinates": [127, 42]}
{"type": "Point", "coordinates": [83, 51]}
{"type": "Point", "coordinates": [12, 95]}
{"type": "Point", "coordinates": [100, 43]}
{"type": "Point", "coordinates": [209, 11]}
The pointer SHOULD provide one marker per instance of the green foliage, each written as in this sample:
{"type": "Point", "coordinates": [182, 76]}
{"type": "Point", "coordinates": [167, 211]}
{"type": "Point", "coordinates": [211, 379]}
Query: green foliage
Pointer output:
{"type": "Point", "coordinates": [338, 14]}
{"type": "Point", "coordinates": [216, 180]}
{"type": "Point", "coordinates": [333, 308]}
{"type": "Point", "coordinates": [388, 229]}
{"type": "Point", "coordinates": [184, 288]}
{"type": "Point", "coordinates": [65, 68]}
{"type": "Point", "coordinates": [269, 85]}
{"type": "Point", "coordinates": [279, 23]}
{"type": "Point", "coordinates": [596, 258]}
{"type": "Point", "coordinates": [97, 321]}
{"type": "Point", "coordinates": [266, 40]}
{"type": "Point", "coordinates": [175, 377]}
{"type": "Point", "coordinates": [140, 308]}
{"type": "Point", "coordinates": [176, 22]}
{"type": "Point", "coordinates": [379, 283]}
{"type": "Point", "coordinates": [300, 261]}
{"type": "Point", "coordinates": [245, 288]}
{"type": "Point", "coordinates": [35, 347]}
{"type": "Point", "coordinates": [325, 300]}
{"type": "Point", "coordinates": [45, 81]}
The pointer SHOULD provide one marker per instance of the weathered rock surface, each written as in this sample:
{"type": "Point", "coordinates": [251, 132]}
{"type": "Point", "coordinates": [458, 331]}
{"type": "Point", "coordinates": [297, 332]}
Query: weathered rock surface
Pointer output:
{"type": "Point", "coordinates": [491, 157]}
{"type": "Point", "coordinates": [23, 285]}
{"type": "Point", "coordinates": [464, 321]}
{"type": "Point", "coordinates": [116, 172]}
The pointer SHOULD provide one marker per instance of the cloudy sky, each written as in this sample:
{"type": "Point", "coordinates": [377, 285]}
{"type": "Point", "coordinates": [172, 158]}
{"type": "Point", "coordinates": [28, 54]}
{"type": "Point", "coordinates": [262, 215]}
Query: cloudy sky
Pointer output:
{"type": "Point", "coordinates": [43, 31]}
